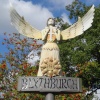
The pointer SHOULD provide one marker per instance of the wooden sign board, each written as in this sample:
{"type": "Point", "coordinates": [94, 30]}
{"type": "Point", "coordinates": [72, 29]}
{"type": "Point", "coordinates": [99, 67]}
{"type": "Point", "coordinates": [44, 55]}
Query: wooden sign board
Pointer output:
{"type": "Point", "coordinates": [46, 84]}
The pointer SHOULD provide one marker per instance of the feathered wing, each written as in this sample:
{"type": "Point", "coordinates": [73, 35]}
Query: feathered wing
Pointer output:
{"type": "Point", "coordinates": [22, 26]}
{"type": "Point", "coordinates": [80, 26]}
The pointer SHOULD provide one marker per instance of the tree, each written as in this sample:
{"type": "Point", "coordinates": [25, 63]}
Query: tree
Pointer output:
{"type": "Point", "coordinates": [83, 52]}
{"type": "Point", "coordinates": [14, 64]}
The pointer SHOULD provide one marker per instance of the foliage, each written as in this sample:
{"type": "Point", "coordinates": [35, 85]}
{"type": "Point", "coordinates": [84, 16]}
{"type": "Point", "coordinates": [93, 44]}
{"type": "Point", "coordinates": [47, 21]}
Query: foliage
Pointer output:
{"type": "Point", "coordinates": [61, 24]}
{"type": "Point", "coordinates": [14, 64]}
{"type": "Point", "coordinates": [83, 52]}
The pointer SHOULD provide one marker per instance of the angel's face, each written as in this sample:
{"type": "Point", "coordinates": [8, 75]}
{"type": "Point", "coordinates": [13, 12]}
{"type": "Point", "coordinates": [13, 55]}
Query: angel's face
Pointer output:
{"type": "Point", "coordinates": [51, 22]}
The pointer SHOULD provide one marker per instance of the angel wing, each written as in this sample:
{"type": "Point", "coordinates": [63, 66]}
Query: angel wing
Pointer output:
{"type": "Point", "coordinates": [22, 26]}
{"type": "Point", "coordinates": [80, 26]}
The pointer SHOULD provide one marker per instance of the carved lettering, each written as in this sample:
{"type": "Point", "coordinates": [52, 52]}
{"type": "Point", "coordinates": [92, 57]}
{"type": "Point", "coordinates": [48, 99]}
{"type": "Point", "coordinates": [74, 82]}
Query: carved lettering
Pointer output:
{"type": "Point", "coordinates": [75, 84]}
{"type": "Point", "coordinates": [49, 84]}
{"type": "Point", "coordinates": [24, 83]}
{"type": "Point", "coordinates": [64, 83]}
{"type": "Point", "coordinates": [35, 80]}
{"type": "Point", "coordinates": [31, 83]}
{"type": "Point", "coordinates": [41, 79]}
{"type": "Point", "coordinates": [70, 83]}
{"type": "Point", "coordinates": [53, 83]}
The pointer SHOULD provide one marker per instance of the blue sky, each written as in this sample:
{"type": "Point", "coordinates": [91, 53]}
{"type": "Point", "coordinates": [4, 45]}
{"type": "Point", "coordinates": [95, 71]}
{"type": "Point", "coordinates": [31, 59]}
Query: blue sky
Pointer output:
{"type": "Point", "coordinates": [36, 12]}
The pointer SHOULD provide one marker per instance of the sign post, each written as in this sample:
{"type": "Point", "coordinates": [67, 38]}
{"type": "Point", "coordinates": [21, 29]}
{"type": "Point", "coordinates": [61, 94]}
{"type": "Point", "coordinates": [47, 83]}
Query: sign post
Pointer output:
{"type": "Point", "coordinates": [50, 86]}
{"type": "Point", "coordinates": [50, 65]}
{"type": "Point", "coordinates": [50, 96]}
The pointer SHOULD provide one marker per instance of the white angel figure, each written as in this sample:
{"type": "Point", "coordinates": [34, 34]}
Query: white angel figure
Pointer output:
{"type": "Point", "coordinates": [50, 60]}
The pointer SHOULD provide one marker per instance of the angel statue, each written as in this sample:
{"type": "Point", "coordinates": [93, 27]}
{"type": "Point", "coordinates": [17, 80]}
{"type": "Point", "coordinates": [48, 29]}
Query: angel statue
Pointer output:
{"type": "Point", "coordinates": [50, 61]}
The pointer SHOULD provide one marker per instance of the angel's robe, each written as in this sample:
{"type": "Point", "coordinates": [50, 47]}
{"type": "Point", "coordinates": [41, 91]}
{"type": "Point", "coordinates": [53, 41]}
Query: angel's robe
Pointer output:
{"type": "Point", "coordinates": [50, 54]}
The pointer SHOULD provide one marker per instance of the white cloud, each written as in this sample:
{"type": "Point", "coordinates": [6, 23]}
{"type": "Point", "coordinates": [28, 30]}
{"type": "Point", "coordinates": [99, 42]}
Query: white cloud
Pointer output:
{"type": "Point", "coordinates": [36, 15]}
{"type": "Point", "coordinates": [65, 18]}
{"type": "Point", "coordinates": [4, 17]}
{"type": "Point", "coordinates": [33, 57]}
{"type": "Point", "coordinates": [60, 4]}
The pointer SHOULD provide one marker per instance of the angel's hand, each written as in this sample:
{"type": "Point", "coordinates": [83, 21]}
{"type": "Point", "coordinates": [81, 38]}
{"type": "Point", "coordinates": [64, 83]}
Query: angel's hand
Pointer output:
{"type": "Point", "coordinates": [55, 30]}
{"type": "Point", "coordinates": [47, 30]}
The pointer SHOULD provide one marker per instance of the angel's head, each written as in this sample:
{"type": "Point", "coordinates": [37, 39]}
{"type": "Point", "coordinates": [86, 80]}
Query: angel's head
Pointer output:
{"type": "Point", "coordinates": [51, 21]}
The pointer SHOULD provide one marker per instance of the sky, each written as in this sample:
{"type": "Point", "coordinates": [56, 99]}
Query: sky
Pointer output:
{"type": "Point", "coordinates": [36, 12]}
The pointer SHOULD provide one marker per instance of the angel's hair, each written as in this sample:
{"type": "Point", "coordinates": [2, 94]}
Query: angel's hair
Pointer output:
{"type": "Point", "coordinates": [52, 19]}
